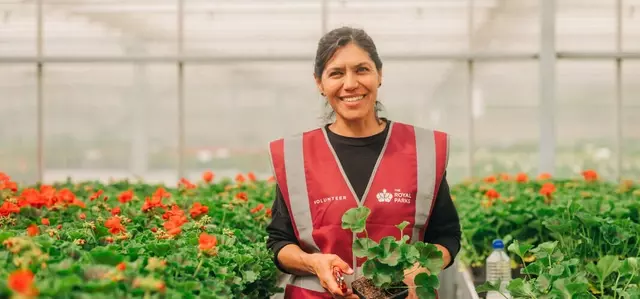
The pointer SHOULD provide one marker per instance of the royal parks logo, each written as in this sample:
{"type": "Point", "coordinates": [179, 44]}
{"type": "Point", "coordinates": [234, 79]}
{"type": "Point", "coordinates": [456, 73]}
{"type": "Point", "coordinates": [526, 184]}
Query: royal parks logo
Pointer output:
{"type": "Point", "coordinates": [397, 196]}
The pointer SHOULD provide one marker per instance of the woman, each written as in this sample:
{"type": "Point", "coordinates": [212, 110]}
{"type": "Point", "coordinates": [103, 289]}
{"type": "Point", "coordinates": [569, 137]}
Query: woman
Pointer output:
{"type": "Point", "coordinates": [395, 169]}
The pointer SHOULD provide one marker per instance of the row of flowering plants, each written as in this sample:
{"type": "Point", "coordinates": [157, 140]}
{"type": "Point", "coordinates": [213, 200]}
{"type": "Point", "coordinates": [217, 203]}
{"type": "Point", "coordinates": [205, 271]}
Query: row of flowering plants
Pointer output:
{"type": "Point", "coordinates": [133, 239]}
{"type": "Point", "coordinates": [590, 226]}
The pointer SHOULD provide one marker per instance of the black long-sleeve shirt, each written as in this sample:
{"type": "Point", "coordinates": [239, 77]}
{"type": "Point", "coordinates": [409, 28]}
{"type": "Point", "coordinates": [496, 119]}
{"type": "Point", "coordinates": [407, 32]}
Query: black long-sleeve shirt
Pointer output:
{"type": "Point", "coordinates": [358, 156]}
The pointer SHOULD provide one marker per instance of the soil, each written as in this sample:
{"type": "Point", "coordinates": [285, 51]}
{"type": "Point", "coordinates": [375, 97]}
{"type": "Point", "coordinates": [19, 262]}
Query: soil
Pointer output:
{"type": "Point", "coordinates": [365, 289]}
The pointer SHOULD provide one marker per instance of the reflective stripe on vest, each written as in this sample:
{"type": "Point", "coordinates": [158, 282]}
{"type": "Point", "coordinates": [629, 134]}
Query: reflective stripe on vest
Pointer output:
{"type": "Point", "coordinates": [431, 157]}
{"type": "Point", "coordinates": [298, 196]}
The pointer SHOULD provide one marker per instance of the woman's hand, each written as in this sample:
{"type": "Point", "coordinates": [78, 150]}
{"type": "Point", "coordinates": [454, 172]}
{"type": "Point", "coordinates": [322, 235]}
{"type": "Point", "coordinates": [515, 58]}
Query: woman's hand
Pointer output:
{"type": "Point", "coordinates": [322, 266]}
{"type": "Point", "coordinates": [409, 279]}
{"type": "Point", "coordinates": [410, 274]}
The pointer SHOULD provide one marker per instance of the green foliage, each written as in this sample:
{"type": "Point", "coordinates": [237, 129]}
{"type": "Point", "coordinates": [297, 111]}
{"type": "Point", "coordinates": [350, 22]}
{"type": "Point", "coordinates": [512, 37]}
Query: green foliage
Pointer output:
{"type": "Point", "coordinates": [554, 275]}
{"type": "Point", "coordinates": [601, 217]}
{"type": "Point", "coordinates": [388, 259]}
{"type": "Point", "coordinates": [582, 241]}
{"type": "Point", "coordinates": [81, 258]}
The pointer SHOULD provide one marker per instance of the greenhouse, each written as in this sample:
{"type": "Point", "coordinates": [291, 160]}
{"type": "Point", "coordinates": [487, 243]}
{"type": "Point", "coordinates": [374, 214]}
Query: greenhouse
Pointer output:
{"type": "Point", "coordinates": [141, 153]}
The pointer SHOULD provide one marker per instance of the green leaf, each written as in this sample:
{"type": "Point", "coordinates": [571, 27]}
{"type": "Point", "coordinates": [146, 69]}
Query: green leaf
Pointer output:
{"type": "Point", "coordinates": [66, 284]}
{"type": "Point", "coordinates": [534, 268]}
{"type": "Point", "coordinates": [427, 281]}
{"type": "Point", "coordinates": [426, 285]}
{"type": "Point", "coordinates": [159, 249]}
{"type": "Point", "coordinates": [569, 289]}
{"type": "Point", "coordinates": [543, 283]}
{"type": "Point", "coordinates": [488, 286]}
{"type": "Point", "coordinates": [355, 219]}
{"type": "Point", "coordinates": [381, 274]}
{"type": "Point", "coordinates": [402, 225]}
{"type": "Point", "coordinates": [6, 235]}
{"type": "Point", "coordinates": [361, 247]}
{"type": "Point", "coordinates": [608, 265]}
{"type": "Point", "coordinates": [102, 255]}
{"type": "Point", "coordinates": [556, 270]}
{"type": "Point", "coordinates": [99, 286]}
{"type": "Point", "coordinates": [410, 253]}
{"type": "Point", "coordinates": [517, 248]}
{"type": "Point", "coordinates": [249, 276]}
{"type": "Point", "coordinates": [629, 266]}
{"type": "Point", "coordinates": [387, 252]}
{"type": "Point", "coordinates": [430, 257]}
{"type": "Point", "coordinates": [519, 288]}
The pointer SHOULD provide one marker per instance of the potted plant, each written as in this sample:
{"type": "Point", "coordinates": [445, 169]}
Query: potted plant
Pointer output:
{"type": "Point", "coordinates": [390, 260]}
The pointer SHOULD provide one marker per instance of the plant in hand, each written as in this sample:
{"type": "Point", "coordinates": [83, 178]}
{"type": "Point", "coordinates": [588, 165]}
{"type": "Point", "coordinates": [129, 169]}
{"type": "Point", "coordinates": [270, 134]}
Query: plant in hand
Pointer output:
{"type": "Point", "coordinates": [388, 261]}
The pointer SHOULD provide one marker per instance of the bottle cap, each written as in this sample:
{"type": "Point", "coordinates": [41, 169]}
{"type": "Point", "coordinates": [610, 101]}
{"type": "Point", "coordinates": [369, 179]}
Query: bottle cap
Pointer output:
{"type": "Point", "coordinates": [498, 244]}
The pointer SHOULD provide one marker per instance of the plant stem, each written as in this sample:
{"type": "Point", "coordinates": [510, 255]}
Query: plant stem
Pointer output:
{"type": "Point", "coordinates": [628, 282]}
{"type": "Point", "coordinates": [198, 268]}
{"type": "Point", "coordinates": [616, 284]}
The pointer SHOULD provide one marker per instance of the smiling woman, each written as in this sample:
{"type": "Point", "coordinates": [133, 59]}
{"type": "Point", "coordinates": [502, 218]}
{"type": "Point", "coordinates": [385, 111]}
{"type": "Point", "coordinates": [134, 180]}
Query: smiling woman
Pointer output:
{"type": "Point", "coordinates": [348, 72]}
{"type": "Point", "coordinates": [356, 157]}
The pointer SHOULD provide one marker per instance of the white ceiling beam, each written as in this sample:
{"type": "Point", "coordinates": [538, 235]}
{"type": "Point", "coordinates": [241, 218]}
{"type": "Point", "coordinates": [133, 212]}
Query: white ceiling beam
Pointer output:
{"type": "Point", "coordinates": [288, 7]}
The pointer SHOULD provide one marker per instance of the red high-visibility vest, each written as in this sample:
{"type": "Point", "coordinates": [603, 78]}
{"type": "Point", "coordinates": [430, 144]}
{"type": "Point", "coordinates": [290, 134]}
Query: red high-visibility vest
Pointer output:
{"type": "Point", "coordinates": [403, 186]}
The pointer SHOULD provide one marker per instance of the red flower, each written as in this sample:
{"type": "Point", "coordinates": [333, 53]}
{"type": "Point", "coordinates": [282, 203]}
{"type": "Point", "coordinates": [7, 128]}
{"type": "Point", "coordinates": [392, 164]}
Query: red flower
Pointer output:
{"type": "Point", "coordinates": [66, 196]}
{"type": "Point", "coordinates": [198, 209]}
{"type": "Point", "coordinates": [522, 178]}
{"type": "Point", "coordinates": [161, 193]}
{"type": "Point", "coordinates": [37, 199]}
{"type": "Point", "coordinates": [490, 179]}
{"type": "Point", "coordinates": [21, 282]}
{"type": "Point", "coordinates": [122, 266]}
{"type": "Point", "coordinates": [155, 202]}
{"type": "Point", "coordinates": [207, 176]}
{"type": "Point", "coordinates": [114, 225]}
{"type": "Point", "coordinates": [186, 184]}
{"type": "Point", "coordinates": [492, 194]}
{"type": "Point", "coordinates": [33, 230]}
{"type": "Point", "coordinates": [175, 221]}
{"type": "Point", "coordinates": [115, 211]}
{"type": "Point", "coordinates": [544, 176]}
{"type": "Point", "coordinates": [257, 208]}
{"type": "Point", "coordinates": [8, 208]}
{"type": "Point", "coordinates": [125, 196]}
{"type": "Point", "coordinates": [4, 177]}
{"type": "Point", "coordinates": [207, 242]}
{"type": "Point", "coordinates": [175, 211]}
{"type": "Point", "coordinates": [173, 225]}
{"type": "Point", "coordinates": [268, 212]}
{"type": "Point", "coordinates": [590, 175]}
{"type": "Point", "coordinates": [45, 221]}
{"type": "Point", "coordinates": [242, 196]}
{"type": "Point", "coordinates": [240, 178]}
{"type": "Point", "coordinates": [548, 189]}
{"type": "Point", "coordinates": [83, 216]}
{"type": "Point", "coordinates": [8, 185]}
{"type": "Point", "coordinates": [96, 195]}
{"type": "Point", "coordinates": [251, 176]}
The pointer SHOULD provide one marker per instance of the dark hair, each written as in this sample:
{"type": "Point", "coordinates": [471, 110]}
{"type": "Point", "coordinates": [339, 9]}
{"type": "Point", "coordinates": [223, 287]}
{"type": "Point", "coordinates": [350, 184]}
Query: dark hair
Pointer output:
{"type": "Point", "coordinates": [340, 37]}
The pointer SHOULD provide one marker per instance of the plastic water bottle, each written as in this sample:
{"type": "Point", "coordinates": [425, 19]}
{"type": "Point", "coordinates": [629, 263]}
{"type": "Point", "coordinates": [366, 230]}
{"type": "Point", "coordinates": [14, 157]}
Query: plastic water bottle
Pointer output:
{"type": "Point", "coordinates": [498, 267]}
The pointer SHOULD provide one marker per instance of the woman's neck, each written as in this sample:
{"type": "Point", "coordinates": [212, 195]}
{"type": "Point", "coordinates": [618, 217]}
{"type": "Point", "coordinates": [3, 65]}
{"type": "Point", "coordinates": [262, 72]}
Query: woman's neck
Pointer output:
{"type": "Point", "coordinates": [358, 128]}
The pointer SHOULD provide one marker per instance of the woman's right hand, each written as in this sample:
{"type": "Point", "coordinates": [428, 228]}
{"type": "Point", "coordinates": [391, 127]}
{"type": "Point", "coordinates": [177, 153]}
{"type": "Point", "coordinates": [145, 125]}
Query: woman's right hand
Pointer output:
{"type": "Point", "coordinates": [322, 266]}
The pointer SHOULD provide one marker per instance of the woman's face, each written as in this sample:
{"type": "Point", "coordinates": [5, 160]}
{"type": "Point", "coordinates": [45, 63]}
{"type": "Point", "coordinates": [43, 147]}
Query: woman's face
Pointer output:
{"type": "Point", "coordinates": [350, 82]}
